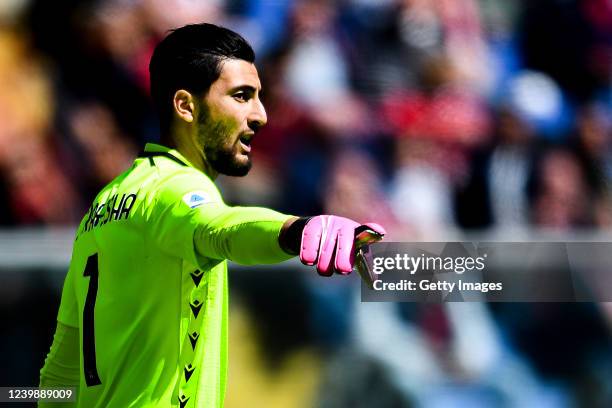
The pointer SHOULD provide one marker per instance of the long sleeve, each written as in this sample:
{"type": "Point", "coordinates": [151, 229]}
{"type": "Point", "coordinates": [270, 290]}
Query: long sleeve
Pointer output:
{"type": "Point", "coordinates": [245, 235]}
{"type": "Point", "coordinates": [191, 221]}
{"type": "Point", "coordinates": [62, 367]}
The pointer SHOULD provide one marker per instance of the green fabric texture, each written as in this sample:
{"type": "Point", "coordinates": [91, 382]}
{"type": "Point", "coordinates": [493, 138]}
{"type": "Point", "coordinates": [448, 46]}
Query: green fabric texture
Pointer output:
{"type": "Point", "coordinates": [62, 364]}
{"type": "Point", "coordinates": [156, 240]}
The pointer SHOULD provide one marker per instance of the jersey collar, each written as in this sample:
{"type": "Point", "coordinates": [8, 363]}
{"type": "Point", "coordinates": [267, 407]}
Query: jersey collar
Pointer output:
{"type": "Point", "coordinates": [153, 149]}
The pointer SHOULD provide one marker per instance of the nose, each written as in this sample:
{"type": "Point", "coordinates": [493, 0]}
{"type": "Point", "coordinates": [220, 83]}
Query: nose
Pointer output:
{"type": "Point", "coordinates": [257, 117]}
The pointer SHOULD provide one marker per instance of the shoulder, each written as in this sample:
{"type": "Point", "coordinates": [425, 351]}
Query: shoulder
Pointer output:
{"type": "Point", "coordinates": [188, 185]}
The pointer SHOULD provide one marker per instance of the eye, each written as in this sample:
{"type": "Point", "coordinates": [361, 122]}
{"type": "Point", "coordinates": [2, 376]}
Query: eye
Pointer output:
{"type": "Point", "coordinates": [241, 96]}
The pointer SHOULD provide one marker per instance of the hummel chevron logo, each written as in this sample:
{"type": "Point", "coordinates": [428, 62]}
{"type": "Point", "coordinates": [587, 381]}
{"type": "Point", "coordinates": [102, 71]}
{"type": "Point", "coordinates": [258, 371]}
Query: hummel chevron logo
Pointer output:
{"type": "Point", "coordinates": [195, 307]}
{"type": "Point", "coordinates": [197, 277]}
{"type": "Point", "coordinates": [188, 371]}
{"type": "Point", "coordinates": [193, 338]}
{"type": "Point", "coordinates": [183, 400]}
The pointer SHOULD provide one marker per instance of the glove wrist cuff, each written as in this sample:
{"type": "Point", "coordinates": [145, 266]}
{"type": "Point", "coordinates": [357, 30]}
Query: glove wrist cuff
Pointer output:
{"type": "Point", "coordinates": [290, 239]}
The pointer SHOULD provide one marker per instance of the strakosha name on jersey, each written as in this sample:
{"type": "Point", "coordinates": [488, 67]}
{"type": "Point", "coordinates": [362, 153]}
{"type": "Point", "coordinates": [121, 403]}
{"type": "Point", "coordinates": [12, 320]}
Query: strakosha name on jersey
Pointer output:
{"type": "Point", "coordinates": [114, 209]}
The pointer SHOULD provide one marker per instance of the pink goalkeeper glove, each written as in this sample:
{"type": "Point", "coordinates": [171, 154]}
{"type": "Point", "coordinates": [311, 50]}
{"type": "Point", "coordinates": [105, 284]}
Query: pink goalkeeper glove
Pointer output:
{"type": "Point", "coordinates": [329, 241]}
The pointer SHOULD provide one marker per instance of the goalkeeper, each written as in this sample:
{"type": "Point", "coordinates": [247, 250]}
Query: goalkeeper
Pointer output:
{"type": "Point", "coordinates": [144, 312]}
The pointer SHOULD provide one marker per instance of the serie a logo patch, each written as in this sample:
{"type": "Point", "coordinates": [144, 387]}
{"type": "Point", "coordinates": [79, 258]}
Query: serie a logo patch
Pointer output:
{"type": "Point", "coordinates": [196, 198]}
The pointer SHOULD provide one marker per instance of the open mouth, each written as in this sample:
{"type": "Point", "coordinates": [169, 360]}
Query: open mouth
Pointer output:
{"type": "Point", "coordinates": [245, 141]}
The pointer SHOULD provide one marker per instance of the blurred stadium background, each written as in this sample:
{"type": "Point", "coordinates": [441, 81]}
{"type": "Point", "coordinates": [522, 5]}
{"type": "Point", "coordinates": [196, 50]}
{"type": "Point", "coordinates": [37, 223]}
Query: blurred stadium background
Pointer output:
{"type": "Point", "coordinates": [435, 118]}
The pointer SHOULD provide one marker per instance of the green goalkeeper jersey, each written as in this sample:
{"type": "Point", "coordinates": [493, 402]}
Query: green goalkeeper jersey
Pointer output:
{"type": "Point", "coordinates": [147, 284]}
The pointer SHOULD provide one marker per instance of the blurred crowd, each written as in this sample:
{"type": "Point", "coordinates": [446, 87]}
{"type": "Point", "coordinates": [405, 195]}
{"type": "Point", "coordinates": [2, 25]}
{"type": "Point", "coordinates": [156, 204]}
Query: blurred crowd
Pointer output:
{"type": "Point", "coordinates": [423, 115]}
{"type": "Point", "coordinates": [427, 116]}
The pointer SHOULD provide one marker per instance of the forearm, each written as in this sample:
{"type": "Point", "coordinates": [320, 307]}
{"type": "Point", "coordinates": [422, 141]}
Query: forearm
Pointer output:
{"type": "Point", "coordinates": [245, 235]}
{"type": "Point", "coordinates": [61, 367]}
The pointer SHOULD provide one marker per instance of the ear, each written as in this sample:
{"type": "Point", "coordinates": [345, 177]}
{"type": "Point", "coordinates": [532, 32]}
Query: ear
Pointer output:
{"type": "Point", "coordinates": [184, 105]}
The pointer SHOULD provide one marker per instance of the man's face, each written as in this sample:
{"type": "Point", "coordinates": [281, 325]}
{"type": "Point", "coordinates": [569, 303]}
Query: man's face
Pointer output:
{"type": "Point", "coordinates": [230, 115]}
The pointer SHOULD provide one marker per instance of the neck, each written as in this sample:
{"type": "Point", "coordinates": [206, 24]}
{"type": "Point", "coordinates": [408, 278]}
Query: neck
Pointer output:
{"type": "Point", "coordinates": [191, 150]}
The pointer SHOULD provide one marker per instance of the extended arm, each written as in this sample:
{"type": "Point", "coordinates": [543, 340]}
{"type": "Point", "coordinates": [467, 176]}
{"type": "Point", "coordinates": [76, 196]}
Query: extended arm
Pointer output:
{"type": "Point", "coordinates": [245, 235]}
{"type": "Point", "coordinates": [212, 230]}
{"type": "Point", "coordinates": [251, 235]}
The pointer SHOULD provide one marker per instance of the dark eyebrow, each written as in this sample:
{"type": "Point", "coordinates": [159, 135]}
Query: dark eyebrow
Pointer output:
{"type": "Point", "coordinates": [249, 88]}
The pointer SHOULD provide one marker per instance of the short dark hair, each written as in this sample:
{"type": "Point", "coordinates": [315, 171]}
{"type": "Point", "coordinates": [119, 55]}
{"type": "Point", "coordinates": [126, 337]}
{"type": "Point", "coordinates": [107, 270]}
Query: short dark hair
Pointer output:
{"type": "Point", "coordinates": [190, 58]}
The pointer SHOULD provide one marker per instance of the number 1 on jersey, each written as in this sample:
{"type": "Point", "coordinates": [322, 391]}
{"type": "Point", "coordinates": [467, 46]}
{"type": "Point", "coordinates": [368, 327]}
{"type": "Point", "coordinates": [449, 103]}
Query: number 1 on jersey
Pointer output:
{"type": "Point", "coordinates": [89, 339]}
